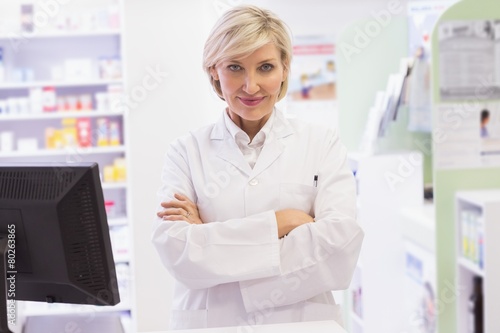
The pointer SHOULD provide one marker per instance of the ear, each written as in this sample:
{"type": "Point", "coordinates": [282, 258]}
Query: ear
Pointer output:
{"type": "Point", "coordinates": [285, 72]}
{"type": "Point", "coordinates": [214, 73]}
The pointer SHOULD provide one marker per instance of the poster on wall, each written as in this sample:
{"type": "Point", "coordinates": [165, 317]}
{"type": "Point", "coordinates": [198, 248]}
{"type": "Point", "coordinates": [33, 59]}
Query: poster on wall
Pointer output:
{"type": "Point", "coordinates": [469, 60]}
{"type": "Point", "coordinates": [467, 135]}
{"type": "Point", "coordinates": [312, 90]}
{"type": "Point", "coordinates": [422, 17]}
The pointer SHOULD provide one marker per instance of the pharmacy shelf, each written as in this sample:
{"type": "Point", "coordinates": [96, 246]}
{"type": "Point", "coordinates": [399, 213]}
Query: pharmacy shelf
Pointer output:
{"type": "Point", "coordinates": [57, 84]}
{"type": "Point", "coordinates": [23, 36]}
{"type": "Point", "coordinates": [476, 211]}
{"type": "Point", "coordinates": [76, 309]}
{"type": "Point", "coordinates": [471, 266]}
{"type": "Point", "coordinates": [58, 115]}
{"type": "Point", "coordinates": [121, 259]}
{"type": "Point", "coordinates": [113, 186]}
{"type": "Point", "coordinates": [102, 43]}
{"type": "Point", "coordinates": [62, 152]}
{"type": "Point", "coordinates": [117, 221]}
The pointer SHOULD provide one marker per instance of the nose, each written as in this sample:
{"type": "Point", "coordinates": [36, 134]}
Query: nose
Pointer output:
{"type": "Point", "coordinates": [251, 85]}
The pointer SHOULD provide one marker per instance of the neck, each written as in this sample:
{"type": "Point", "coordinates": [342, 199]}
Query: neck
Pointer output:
{"type": "Point", "coordinates": [250, 127]}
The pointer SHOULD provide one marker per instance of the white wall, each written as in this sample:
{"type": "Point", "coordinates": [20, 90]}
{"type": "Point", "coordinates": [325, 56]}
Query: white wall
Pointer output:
{"type": "Point", "coordinates": [164, 34]}
{"type": "Point", "coordinates": [169, 34]}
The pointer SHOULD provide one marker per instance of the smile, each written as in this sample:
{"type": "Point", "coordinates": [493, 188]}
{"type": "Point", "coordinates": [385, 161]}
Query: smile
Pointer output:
{"type": "Point", "coordinates": [251, 101]}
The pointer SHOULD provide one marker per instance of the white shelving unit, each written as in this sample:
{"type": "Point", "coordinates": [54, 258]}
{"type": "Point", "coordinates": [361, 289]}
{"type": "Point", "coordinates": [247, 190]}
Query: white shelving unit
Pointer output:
{"type": "Point", "coordinates": [64, 152]}
{"type": "Point", "coordinates": [478, 213]}
{"type": "Point", "coordinates": [379, 278]}
{"type": "Point", "coordinates": [41, 59]}
{"type": "Point", "coordinates": [59, 84]}
{"type": "Point", "coordinates": [61, 34]}
{"type": "Point", "coordinates": [59, 115]}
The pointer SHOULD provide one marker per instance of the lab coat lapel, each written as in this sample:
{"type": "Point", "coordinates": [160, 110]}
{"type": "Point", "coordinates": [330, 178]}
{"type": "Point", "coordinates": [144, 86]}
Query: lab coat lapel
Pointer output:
{"type": "Point", "coordinates": [274, 145]}
{"type": "Point", "coordinates": [227, 149]}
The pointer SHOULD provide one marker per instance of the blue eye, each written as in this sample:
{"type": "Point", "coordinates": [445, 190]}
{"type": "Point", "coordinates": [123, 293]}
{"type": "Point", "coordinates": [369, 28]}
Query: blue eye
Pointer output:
{"type": "Point", "coordinates": [234, 68]}
{"type": "Point", "coordinates": [266, 67]}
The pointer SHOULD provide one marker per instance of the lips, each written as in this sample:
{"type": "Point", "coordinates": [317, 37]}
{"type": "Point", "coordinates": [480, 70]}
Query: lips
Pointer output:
{"type": "Point", "coordinates": [251, 101]}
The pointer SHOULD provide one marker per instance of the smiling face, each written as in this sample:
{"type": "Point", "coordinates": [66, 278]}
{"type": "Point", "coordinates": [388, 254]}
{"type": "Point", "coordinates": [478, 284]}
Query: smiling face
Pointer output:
{"type": "Point", "coordinates": [251, 85]}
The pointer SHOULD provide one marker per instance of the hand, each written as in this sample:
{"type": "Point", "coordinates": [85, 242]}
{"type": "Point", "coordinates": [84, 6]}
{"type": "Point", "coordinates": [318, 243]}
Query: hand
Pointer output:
{"type": "Point", "coordinates": [289, 219]}
{"type": "Point", "coordinates": [180, 209]}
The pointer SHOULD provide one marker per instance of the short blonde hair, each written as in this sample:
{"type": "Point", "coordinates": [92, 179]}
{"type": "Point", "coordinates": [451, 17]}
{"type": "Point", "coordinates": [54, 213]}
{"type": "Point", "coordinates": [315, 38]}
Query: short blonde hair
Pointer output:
{"type": "Point", "coordinates": [241, 31]}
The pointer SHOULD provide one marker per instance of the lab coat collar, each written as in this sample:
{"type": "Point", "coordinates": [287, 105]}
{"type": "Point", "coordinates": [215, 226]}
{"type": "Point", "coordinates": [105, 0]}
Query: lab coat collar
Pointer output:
{"type": "Point", "coordinates": [280, 129]}
{"type": "Point", "coordinates": [273, 146]}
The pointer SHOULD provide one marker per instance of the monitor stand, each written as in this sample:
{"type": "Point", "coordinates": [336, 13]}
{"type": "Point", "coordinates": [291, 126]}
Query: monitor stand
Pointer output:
{"type": "Point", "coordinates": [4, 250]}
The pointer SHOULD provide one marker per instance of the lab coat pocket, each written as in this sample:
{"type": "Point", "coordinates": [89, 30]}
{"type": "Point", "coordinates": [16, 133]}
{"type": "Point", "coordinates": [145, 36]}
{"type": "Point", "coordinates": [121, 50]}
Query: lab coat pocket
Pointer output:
{"type": "Point", "coordinates": [320, 311]}
{"type": "Point", "coordinates": [298, 196]}
{"type": "Point", "coordinates": [188, 319]}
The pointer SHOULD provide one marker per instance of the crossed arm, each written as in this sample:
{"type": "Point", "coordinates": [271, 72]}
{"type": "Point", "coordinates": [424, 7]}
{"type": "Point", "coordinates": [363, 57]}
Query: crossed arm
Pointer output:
{"type": "Point", "coordinates": [183, 209]}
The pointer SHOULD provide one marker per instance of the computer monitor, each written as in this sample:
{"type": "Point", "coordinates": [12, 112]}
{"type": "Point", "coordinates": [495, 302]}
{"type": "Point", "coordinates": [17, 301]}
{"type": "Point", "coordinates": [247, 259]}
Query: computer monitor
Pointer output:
{"type": "Point", "coordinates": [54, 237]}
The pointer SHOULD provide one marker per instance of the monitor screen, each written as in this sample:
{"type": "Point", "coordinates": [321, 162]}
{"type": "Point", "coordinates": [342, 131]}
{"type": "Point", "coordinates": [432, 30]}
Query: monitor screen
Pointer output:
{"type": "Point", "coordinates": [54, 235]}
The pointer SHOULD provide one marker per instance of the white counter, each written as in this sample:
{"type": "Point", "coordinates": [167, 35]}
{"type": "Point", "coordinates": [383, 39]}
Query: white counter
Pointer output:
{"type": "Point", "coordinates": [310, 326]}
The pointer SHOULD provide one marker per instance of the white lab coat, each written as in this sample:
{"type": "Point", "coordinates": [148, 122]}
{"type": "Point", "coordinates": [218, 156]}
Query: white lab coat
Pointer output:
{"type": "Point", "coordinates": [233, 270]}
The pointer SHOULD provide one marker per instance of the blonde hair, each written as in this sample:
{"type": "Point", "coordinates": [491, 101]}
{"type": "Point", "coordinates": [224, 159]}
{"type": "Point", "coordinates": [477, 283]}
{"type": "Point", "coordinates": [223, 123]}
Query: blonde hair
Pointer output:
{"type": "Point", "coordinates": [241, 31]}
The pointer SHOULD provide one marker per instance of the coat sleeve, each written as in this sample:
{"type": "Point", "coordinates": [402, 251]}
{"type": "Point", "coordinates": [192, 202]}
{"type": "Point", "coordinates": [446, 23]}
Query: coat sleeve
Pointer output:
{"type": "Point", "coordinates": [205, 255]}
{"type": "Point", "coordinates": [321, 256]}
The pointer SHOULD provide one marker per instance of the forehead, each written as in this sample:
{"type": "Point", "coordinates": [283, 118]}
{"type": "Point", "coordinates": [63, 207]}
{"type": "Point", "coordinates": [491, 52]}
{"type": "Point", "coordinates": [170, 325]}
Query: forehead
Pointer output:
{"type": "Point", "coordinates": [266, 52]}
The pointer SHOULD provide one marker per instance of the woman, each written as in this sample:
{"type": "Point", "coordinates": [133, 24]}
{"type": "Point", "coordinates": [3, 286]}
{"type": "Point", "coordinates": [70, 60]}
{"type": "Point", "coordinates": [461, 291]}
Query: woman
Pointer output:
{"type": "Point", "coordinates": [257, 220]}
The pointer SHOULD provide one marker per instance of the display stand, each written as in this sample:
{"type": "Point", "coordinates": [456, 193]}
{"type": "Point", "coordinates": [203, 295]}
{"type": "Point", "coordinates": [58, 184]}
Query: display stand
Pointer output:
{"type": "Point", "coordinates": [366, 72]}
{"type": "Point", "coordinates": [380, 274]}
{"type": "Point", "coordinates": [449, 180]}
{"type": "Point", "coordinates": [477, 215]}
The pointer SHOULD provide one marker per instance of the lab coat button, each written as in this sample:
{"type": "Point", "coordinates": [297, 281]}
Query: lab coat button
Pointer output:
{"type": "Point", "coordinates": [253, 182]}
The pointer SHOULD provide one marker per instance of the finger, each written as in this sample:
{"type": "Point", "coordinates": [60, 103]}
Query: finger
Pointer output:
{"type": "Point", "coordinates": [174, 218]}
{"type": "Point", "coordinates": [173, 204]}
{"type": "Point", "coordinates": [177, 218]}
{"type": "Point", "coordinates": [181, 197]}
{"type": "Point", "coordinates": [184, 199]}
{"type": "Point", "coordinates": [173, 211]}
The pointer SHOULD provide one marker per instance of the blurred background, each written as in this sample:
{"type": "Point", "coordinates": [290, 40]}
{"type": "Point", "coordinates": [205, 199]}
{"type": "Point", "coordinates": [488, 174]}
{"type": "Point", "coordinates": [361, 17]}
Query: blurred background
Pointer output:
{"type": "Point", "coordinates": [412, 86]}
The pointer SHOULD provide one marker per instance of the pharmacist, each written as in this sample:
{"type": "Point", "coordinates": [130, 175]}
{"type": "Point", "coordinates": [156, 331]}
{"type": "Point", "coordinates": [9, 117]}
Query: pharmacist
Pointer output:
{"type": "Point", "coordinates": [257, 221]}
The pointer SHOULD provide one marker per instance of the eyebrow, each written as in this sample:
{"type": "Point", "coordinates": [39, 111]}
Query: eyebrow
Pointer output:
{"type": "Point", "coordinates": [260, 62]}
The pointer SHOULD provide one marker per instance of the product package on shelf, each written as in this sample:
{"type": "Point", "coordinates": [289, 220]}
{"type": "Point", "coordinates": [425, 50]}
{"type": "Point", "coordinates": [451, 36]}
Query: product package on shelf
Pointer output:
{"type": "Point", "coordinates": [102, 132]}
{"type": "Point", "coordinates": [120, 242]}
{"type": "Point", "coordinates": [27, 18]}
{"type": "Point", "coordinates": [123, 277]}
{"type": "Point", "coordinates": [110, 68]}
{"type": "Point", "coordinates": [84, 132]}
{"type": "Point", "coordinates": [2, 67]}
{"type": "Point", "coordinates": [117, 172]}
{"type": "Point", "coordinates": [49, 99]}
{"type": "Point", "coordinates": [472, 235]}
